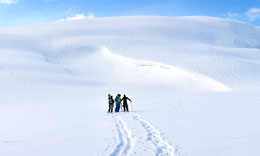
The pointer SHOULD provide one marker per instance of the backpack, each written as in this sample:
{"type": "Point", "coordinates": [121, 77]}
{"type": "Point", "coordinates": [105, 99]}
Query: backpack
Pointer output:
{"type": "Point", "coordinates": [118, 99]}
{"type": "Point", "coordinates": [111, 101]}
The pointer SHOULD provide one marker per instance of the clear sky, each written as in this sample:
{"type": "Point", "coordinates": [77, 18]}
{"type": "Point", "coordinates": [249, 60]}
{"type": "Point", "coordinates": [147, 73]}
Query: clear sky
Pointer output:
{"type": "Point", "coordinates": [25, 12]}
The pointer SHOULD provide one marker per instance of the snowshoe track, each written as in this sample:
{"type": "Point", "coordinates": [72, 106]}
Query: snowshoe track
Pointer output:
{"type": "Point", "coordinates": [163, 148]}
{"type": "Point", "coordinates": [126, 141]}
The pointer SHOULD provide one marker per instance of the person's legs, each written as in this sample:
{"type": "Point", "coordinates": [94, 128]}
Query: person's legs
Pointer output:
{"type": "Point", "coordinates": [126, 107]}
{"type": "Point", "coordinates": [110, 109]}
{"type": "Point", "coordinates": [117, 107]}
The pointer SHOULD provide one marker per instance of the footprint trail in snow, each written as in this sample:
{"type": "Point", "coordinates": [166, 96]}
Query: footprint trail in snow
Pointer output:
{"type": "Point", "coordinates": [163, 148]}
{"type": "Point", "coordinates": [151, 137]}
{"type": "Point", "coordinates": [126, 141]}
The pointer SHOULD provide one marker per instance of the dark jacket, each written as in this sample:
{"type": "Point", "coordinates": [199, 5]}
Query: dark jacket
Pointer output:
{"type": "Point", "coordinates": [111, 101]}
{"type": "Point", "coordinates": [124, 99]}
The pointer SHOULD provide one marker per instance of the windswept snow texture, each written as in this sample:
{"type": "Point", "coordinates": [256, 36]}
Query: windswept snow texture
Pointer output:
{"type": "Point", "coordinates": [219, 50]}
{"type": "Point", "coordinates": [194, 83]}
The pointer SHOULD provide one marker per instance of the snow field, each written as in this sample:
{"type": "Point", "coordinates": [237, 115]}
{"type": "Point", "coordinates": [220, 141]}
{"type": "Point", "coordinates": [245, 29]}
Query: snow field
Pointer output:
{"type": "Point", "coordinates": [194, 82]}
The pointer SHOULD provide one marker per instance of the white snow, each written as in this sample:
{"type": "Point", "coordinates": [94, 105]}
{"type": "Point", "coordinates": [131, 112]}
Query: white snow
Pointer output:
{"type": "Point", "coordinates": [194, 83]}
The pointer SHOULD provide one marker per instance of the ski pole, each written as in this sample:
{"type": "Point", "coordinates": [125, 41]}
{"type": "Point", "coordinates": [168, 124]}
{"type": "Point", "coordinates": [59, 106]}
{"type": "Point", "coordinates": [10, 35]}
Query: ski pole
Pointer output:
{"type": "Point", "coordinates": [132, 106]}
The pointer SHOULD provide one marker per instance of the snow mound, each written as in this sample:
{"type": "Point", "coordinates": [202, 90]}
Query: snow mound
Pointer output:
{"type": "Point", "coordinates": [186, 52]}
{"type": "Point", "coordinates": [115, 68]}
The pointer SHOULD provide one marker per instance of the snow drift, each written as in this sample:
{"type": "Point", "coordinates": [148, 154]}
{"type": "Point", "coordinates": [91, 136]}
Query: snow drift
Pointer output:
{"type": "Point", "coordinates": [218, 54]}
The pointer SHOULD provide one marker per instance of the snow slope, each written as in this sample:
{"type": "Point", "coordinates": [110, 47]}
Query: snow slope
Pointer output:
{"type": "Point", "coordinates": [194, 82]}
{"type": "Point", "coordinates": [225, 51]}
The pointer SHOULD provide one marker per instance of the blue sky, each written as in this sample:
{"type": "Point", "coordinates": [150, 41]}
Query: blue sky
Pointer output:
{"type": "Point", "coordinates": [25, 12]}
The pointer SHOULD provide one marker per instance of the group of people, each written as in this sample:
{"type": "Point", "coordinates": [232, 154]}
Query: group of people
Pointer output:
{"type": "Point", "coordinates": [118, 101]}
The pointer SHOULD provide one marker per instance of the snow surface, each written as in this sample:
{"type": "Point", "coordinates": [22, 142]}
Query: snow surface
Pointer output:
{"type": "Point", "coordinates": [194, 82]}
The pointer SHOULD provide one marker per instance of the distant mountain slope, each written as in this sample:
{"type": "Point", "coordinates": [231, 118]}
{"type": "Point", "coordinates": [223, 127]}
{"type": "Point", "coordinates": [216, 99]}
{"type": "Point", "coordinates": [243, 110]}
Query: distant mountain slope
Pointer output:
{"type": "Point", "coordinates": [219, 49]}
{"type": "Point", "coordinates": [192, 29]}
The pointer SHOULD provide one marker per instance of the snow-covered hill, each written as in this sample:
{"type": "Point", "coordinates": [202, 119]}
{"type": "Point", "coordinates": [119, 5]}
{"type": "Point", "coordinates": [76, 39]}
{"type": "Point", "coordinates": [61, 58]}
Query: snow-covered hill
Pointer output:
{"type": "Point", "coordinates": [54, 78]}
{"type": "Point", "coordinates": [216, 49]}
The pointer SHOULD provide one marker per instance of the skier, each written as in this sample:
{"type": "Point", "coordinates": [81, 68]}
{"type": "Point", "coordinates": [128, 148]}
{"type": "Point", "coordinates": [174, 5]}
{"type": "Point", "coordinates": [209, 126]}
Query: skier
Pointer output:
{"type": "Point", "coordinates": [110, 103]}
{"type": "Point", "coordinates": [118, 102]}
{"type": "Point", "coordinates": [125, 105]}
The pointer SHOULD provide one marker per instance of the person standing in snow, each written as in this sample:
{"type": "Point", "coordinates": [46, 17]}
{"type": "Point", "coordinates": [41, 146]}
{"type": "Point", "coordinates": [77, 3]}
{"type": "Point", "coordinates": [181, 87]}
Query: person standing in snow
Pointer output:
{"type": "Point", "coordinates": [125, 105]}
{"type": "Point", "coordinates": [118, 102]}
{"type": "Point", "coordinates": [110, 103]}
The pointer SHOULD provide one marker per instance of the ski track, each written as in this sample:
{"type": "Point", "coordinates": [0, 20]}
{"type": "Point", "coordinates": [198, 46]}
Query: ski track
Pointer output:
{"type": "Point", "coordinates": [126, 141]}
{"type": "Point", "coordinates": [163, 148]}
